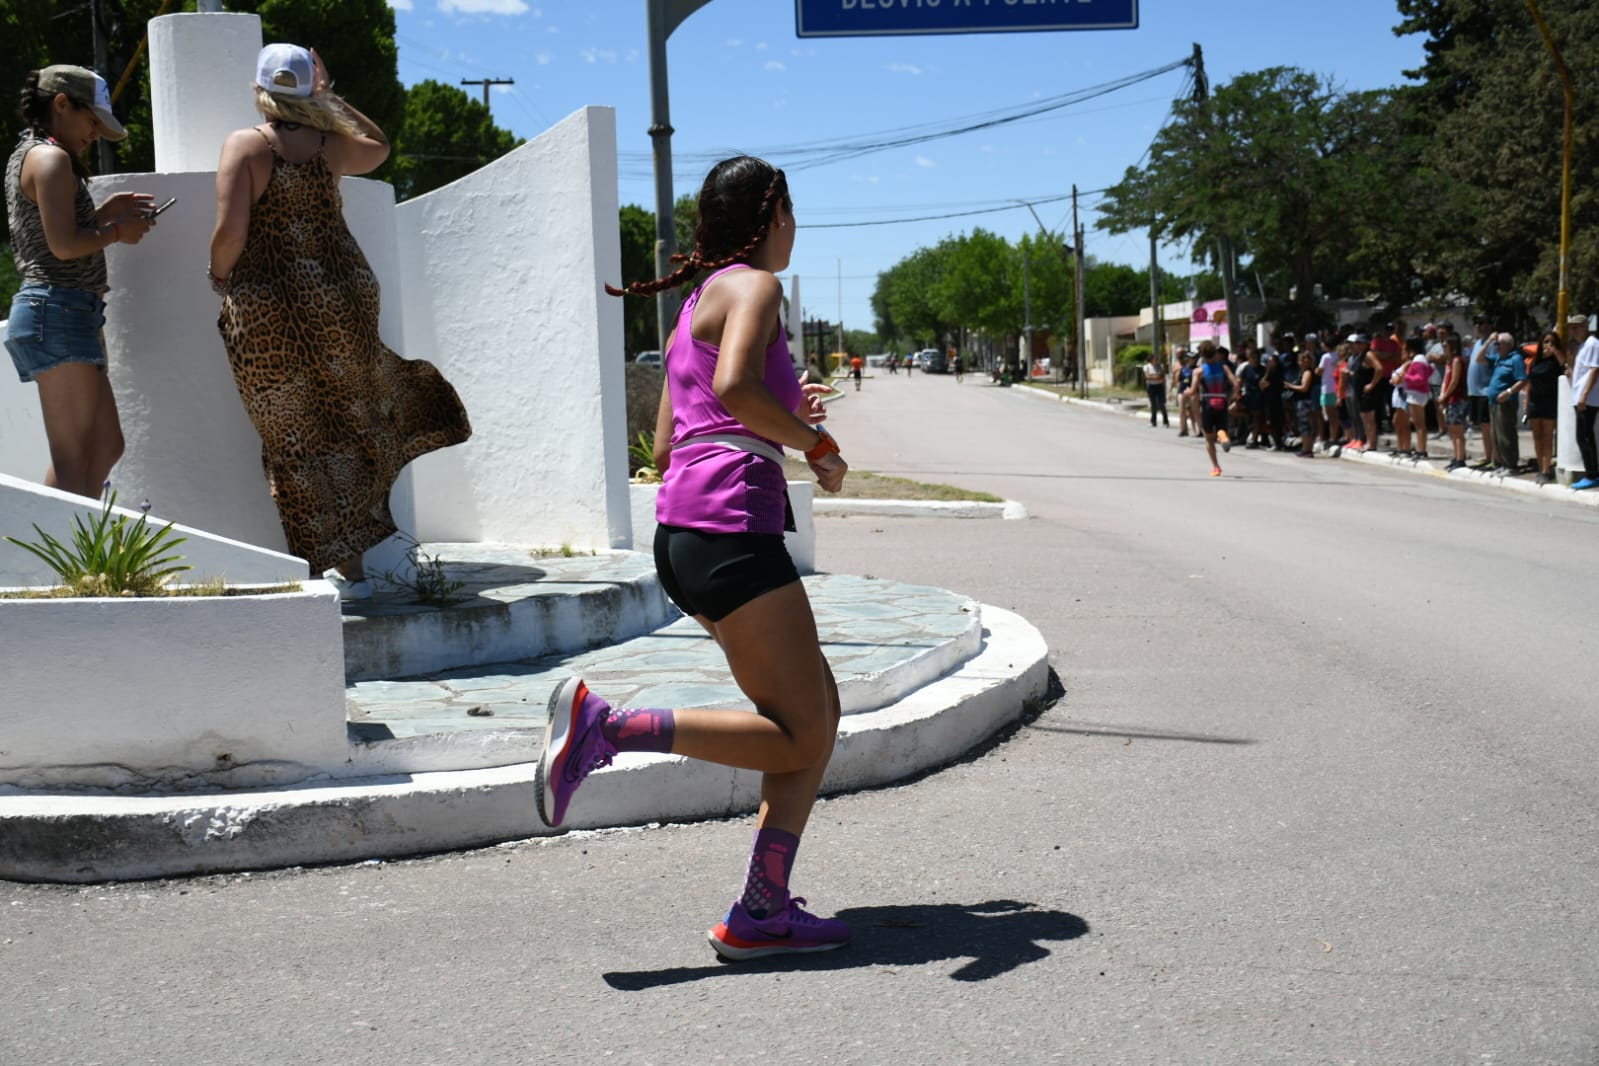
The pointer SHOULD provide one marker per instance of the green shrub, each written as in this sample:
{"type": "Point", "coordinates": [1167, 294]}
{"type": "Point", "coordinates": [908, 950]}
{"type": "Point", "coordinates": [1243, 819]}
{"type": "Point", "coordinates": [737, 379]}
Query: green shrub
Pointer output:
{"type": "Point", "coordinates": [1130, 364]}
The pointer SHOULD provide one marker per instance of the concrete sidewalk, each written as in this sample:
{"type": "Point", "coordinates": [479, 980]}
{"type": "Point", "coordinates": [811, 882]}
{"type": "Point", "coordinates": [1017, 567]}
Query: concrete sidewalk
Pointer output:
{"type": "Point", "coordinates": [1439, 452]}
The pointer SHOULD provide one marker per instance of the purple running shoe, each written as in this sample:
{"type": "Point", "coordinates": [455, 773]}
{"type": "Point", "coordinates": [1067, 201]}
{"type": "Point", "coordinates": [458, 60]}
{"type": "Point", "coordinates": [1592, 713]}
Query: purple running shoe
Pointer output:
{"type": "Point", "coordinates": [574, 747]}
{"type": "Point", "coordinates": [790, 931]}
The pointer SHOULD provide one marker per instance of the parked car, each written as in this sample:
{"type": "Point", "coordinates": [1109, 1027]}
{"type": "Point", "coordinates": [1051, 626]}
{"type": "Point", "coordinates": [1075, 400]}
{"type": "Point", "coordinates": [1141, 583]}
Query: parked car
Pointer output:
{"type": "Point", "coordinates": [932, 361]}
{"type": "Point", "coordinates": [649, 358]}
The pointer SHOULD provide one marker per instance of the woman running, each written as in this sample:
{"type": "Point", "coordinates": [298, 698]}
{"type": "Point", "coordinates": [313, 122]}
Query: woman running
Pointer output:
{"type": "Point", "coordinates": [730, 405]}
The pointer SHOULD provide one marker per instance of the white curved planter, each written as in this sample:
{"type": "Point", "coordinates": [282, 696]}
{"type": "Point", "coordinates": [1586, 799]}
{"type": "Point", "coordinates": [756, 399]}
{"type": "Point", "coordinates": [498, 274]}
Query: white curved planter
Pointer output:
{"type": "Point", "coordinates": [171, 692]}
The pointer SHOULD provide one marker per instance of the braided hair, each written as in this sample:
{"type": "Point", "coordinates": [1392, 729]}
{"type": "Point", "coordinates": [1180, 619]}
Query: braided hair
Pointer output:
{"type": "Point", "coordinates": [731, 220]}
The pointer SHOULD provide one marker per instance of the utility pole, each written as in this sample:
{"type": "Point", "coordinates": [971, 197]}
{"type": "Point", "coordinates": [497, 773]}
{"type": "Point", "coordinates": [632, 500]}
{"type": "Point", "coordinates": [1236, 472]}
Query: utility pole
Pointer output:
{"type": "Point", "coordinates": [661, 18]}
{"type": "Point", "coordinates": [486, 83]}
{"type": "Point", "coordinates": [1026, 361]}
{"type": "Point", "coordinates": [1157, 342]}
{"type": "Point", "coordinates": [1225, 261]}
{"type": "Point", "coordinates": [102, 62]}
{"type": "Point", "coordinates": [1079, 319]}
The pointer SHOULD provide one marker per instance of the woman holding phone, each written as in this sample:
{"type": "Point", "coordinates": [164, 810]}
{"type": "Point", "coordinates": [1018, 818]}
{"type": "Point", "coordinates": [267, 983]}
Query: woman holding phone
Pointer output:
{"type": "Point", "coordinates": [58, 239]}
{"type": "Point", "coordinates": [339, 413]}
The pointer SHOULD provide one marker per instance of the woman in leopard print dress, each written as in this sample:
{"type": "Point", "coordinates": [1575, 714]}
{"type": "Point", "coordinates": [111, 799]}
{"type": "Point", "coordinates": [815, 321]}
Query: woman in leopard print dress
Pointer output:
{"type": "Point", "coordinates": [339, 413]}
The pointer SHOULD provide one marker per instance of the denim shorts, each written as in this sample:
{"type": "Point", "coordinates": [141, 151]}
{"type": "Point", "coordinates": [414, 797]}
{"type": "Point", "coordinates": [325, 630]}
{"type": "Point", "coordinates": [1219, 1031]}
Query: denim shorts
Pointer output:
{"type": "Point", "coordinates": [51, 326]}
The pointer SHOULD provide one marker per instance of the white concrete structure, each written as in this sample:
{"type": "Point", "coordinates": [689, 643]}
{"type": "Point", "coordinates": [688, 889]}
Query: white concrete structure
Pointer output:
{"type": "Point", "coordinates": [495, 279]}
{"type": "Point", "coordinates": [55, 512]}
{"type": "Point", "coordinates": [184, 692]}
{"type": "Point", "coordinates": [1103, 337]}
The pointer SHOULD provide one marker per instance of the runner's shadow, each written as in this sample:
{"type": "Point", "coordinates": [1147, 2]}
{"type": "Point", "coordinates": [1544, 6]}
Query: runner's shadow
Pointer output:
{"type": "Point", "coordinates": [995, 937]}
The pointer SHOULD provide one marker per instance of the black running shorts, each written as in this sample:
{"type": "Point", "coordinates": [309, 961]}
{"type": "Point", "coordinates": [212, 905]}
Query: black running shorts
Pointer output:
{"type": "Point", "coordinates": [714, 574]}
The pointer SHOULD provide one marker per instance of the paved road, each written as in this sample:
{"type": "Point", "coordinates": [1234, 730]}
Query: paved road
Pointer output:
{"type": "Point", "coordinates": [1320, 789]}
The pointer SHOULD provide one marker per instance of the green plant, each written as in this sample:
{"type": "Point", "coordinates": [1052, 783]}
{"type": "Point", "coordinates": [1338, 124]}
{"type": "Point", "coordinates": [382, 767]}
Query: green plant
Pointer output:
{"type": "Point", "coordinates": [641, 457]}
{"type": "Point", "coordinates": [427, 580]}
{"type": "Point", "coordinates": [110, 554]}
{"type": "Point", "coordinates": [1130, 362]}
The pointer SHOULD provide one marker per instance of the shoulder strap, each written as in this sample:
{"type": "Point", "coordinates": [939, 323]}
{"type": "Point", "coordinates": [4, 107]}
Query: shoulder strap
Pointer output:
{"type": "Point", "coordinates": [270, 146]}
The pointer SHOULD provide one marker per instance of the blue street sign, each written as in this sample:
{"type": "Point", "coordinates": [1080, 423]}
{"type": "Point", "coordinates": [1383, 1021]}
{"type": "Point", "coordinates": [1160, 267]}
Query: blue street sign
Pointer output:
{"type": "Point", "coordinates": [885, 18]}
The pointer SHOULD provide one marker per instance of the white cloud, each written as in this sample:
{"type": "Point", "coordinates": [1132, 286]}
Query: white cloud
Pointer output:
{"type": "Point", "coordinates": [483, 7]}
{"type": "Point", "coordinates": [773, 64]}
{"type": "Point", "coordinates": [598, 55]}
{"type": "Point", "coordinates": [400, 5]}
{"type": "Point", "coordinates": [904, 68]}
{"type": "Point", "coordinates": [543, 58]}
{"type": "Point", "coordinates": [761, 47]}
{"type": "Point", "coordinates": [802, 53]}
{"type": "Point", "coordinates": [869, 179]}
{"type": "Point", "coordinates": [734, 42]}
{"type": "Point", "coordinates": [923, 161]}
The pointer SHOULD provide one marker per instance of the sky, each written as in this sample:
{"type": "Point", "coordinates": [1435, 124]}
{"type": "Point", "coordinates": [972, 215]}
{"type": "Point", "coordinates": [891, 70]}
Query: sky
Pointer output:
{"type": "Point", "coordinates": [741, 80]}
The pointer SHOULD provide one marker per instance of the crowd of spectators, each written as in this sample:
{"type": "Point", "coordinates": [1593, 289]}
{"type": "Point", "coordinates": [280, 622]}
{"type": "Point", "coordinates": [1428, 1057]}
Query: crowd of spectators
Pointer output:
{"type": "Point", "coordinates": [1331, 391]}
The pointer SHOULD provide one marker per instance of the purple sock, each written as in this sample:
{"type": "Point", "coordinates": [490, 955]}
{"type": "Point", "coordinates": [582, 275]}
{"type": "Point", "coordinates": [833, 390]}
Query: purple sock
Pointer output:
{"type": "Point", "coordinates": [640, 729]}
{"type": "Point", "coordinates": [766, 887]}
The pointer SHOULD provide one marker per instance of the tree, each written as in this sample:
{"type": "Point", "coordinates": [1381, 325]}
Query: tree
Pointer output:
{"type": "Point", "coordinates": [1488, 109]}
{"type": "Point", "coordinates": [355, 38]}
{"type": "Point", "coordinates": [638, 263]}
{"type": "Point", "coordinates": [445, 136]}
{"type": "Point", "coordinates": [906, 293]}
{"type": "Point", "coordinates": [1278, 160]}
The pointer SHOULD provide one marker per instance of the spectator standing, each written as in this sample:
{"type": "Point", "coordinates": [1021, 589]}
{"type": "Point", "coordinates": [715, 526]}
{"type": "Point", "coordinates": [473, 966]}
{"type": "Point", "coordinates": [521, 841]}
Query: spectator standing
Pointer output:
{"type": "Point", "coordinates": [1155, 387]}
{"type": "Point", "coordinates": [1185, 388]}
{"type": "Point", "coordinates": [59, 237]}
{"type": "Point", "coordinates": [1369, 382]}
{"type": "Point", "coordinates": [1416, 384]}
{"type": "Point", "coordinates": [1386, 346]}
{"type": "Point", "coordinates": [1305, 387]}
{"type": "Point", "coordinates": [1479, 367]}
{"type": "Point", "coordinates": [1452, 398]}
{"type": "Point", "coordinates": [1506, 380]}
{"type": "Point", "coordinates": [1250, 376]}
{"type": "Point", "coordinates": [1585, 396]}
{"type": "Point", "coordinates": [340, 414]}
{"type": "Point", "coordinates": [1274, 372]}
{"type": "Point", "coordinates": [1543, 401]}
{"type": "Point", "coordinates": [1332, 429]}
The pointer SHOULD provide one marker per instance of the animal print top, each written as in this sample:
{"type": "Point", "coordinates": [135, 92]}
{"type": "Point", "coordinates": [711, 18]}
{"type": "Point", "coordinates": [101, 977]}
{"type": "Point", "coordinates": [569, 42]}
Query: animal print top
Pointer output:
{"type": "Point", "coordinates": [339, 413]}
{"type": "Point", "coordinates": [36, 264]}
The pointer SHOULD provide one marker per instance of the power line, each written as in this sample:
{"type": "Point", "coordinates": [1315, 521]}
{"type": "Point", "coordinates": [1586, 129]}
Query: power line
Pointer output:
{"type": "Point", "coordinates": [806, 154]}
{"type": "Point", "coordinates": [934, 218]}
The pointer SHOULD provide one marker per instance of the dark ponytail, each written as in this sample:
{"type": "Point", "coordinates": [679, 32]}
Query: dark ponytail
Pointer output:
{"type": "Point", "coordinates": [731, 220]}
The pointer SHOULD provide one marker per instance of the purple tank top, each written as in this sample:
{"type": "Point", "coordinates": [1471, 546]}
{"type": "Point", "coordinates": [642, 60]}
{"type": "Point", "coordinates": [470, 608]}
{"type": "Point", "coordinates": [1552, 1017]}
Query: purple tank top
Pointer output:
{"type": "Point", "coordinates": [713, 486]}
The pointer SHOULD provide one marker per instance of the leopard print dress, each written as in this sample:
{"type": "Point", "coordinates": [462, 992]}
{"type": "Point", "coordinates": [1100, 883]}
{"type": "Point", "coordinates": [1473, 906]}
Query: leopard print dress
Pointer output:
{"type": "Point", "coordinates": [339, 413]}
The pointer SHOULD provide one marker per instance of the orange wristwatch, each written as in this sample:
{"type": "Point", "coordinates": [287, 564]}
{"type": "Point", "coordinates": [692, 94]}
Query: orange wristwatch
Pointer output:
{"type": "Point", "coordinates": [825, 445]}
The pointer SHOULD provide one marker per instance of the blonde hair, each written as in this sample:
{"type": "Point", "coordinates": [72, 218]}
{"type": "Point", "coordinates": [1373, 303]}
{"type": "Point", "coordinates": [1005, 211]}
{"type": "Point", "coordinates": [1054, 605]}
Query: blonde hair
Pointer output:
{"type": "Point", "coordinates": [321, 111]}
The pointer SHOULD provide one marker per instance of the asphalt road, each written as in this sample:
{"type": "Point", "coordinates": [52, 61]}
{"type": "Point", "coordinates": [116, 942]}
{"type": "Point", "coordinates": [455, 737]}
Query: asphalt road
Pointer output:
{"type": "Point", "coordinates": [1320, 788]}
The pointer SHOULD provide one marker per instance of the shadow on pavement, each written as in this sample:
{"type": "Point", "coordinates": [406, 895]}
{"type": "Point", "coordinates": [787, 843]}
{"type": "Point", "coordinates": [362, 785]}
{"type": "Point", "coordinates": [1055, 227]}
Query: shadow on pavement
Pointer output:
{"type": "Point", "coordinates": [995, 937]}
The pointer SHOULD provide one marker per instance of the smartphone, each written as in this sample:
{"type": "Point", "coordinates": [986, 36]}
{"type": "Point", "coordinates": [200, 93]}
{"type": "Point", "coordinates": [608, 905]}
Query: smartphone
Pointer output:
{"type": "Point", "coordinates": [163, 207]}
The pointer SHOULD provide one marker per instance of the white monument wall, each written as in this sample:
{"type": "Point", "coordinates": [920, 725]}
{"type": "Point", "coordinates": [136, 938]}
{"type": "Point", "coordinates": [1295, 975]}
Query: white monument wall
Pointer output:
{"type": "Point", "coordinates": [503, 275]}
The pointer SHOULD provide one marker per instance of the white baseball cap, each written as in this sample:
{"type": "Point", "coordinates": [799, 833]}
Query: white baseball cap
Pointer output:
{"type": "Point", "coordinates": [285, 69]}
